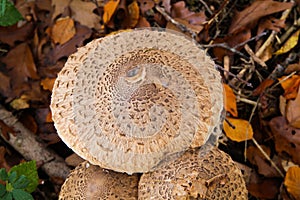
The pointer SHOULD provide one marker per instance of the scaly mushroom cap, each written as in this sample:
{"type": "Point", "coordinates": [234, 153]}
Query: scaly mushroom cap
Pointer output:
{"type": "Point", "coordinates": [127, 101]}
{"type": "Point", "coordinates": [92, 182]}
{"type": "Point", "coordinates": [197, 174]}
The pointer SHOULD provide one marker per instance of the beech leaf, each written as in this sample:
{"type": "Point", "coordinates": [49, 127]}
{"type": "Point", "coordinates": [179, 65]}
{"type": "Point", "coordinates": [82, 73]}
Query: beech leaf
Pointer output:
{"type": "Point", "coordinates": [241, 131]}
{"type": "Point", "coordinates": [292, 181]}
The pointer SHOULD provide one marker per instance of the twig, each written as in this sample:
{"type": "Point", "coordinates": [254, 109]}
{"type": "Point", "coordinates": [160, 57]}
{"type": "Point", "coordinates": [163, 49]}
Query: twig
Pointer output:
{"type": "Point", "coordinates": [30, 148]}
{"type": "Point", "coordinates": [182, 27]}
{"type": "Point", "coordinates": [206, 7]}
{"type": "Point", "coordinates": [225, 46]}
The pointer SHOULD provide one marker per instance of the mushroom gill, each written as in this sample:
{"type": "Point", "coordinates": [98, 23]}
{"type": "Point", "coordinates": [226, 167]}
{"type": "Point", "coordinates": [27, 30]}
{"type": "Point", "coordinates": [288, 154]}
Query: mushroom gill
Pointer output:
{"type": "Point", "coordinates": [128, 101]}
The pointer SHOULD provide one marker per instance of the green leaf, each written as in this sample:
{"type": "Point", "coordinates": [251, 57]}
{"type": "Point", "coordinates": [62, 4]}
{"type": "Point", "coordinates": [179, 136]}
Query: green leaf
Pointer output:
{"type": "Point", "coordinates": [12, 177]}
{"type": "Point", "coordinates": [9, 15]}
{"type": "Point", "coordinates": [2, 190]}
{"type": "Point", "coordinates": [3, 175]}
{"type": "Point", "coordinates": [21, 183]}
{"type": "Point", "coordinates": [7, 196]}
{"type": "Point", "coordinates": [19, 194]}
{"type": "Point", "coordinates": [29, 170]}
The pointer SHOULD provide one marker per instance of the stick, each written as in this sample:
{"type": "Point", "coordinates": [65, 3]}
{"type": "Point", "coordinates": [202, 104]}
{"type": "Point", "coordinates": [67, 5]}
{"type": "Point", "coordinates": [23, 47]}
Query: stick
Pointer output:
{"type": "Point", "coordinates": [25, 142]}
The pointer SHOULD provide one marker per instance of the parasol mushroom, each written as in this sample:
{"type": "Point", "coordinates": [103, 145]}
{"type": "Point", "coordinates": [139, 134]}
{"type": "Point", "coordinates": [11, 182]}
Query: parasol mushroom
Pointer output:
{"type": "Point", "coordinates": [197, 174]}
{"type": "Point", "coordinates": [87, 181]}
{"type": "Point", "coordinates": [128, 101]}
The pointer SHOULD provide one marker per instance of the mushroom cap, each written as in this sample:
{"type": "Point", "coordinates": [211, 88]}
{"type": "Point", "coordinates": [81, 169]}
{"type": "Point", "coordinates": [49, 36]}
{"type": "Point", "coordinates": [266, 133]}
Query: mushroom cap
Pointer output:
{"type": "Point", "coordinates": [197, 174]}
{"type": "Point", "coordinates": [88, 181]}
{"type": "Point", "coordinates": [127, 101]}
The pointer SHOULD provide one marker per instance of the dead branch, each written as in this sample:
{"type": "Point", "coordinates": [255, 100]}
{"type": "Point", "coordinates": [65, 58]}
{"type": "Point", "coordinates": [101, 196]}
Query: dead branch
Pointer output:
{"type": "Point", "coordinates": [31, 148]}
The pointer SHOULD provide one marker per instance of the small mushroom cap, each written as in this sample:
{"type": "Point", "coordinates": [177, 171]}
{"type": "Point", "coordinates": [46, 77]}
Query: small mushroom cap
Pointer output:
{"type": "Point", "coordinates": [197, 174]}
{"type": "Point", "coordinates": [87, 181]}
{"type": "Point", "coordinates": [127, 101]}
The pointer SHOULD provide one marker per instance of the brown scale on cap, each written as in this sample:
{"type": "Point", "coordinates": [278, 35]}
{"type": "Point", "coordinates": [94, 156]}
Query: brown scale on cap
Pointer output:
{"type": "Point", "coordinates": [87, 182]}
{"type": "Point", "coordinates": [127, 102]}
{"type": "Point", "coordinates": [197, 174]}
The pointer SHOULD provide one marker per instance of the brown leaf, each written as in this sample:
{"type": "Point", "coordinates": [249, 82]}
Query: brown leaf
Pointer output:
{"type": "Point", "coordinates": [142, 23]}
{"type": "Point", "coordinates": [241, 131]}
{"type": "Point", "coordinates": [270, 23]}
{"type": "Point", "coordinates": [293, 111]}
{"type": "Point", "coordinates": [146, 5]}
{"type": "Point", "coordinates": [230, 100]}
{"type": "Point", "coordinates": [3, 163]}
{"type": "Point", "coordinates": [263, 86]}
{"type": "Point", "coordinates": [255, 11]}
{"type": "Point", "coordinates": [5, 85]}
{"type": "Point", "coordinates": [48, 83]}
{"type": "Point", "coordinates": [82, 11]}
{"type": "Point", "coordinates": [5, 130]}
{"type": "Point", "coordinates": [21, 68]}
{"type": "Point", "coordinates": [292, 181]}
{"type": "Point", "coordinates": [51, 138]}
{"type": "Point", "coordinates": [74, 160]}
{"type": "Point", "coordinates": [59, 7]}
{"type": "Point", "coordinates": [64, 50]}
{"type": "Point", "coordinates": [287, 138]}
{"type": "Point", "coordinates": [63, 30]}
{"type": "Point", "coordinates": [11, 34]}
{"type": "Point", "coordinates": [290, 86]}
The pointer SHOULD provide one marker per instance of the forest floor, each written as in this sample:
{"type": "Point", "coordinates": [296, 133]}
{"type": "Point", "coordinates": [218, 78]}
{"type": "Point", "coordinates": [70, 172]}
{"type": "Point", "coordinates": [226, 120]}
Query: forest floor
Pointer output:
{"type": "Point", "coordinates": [255, 45]}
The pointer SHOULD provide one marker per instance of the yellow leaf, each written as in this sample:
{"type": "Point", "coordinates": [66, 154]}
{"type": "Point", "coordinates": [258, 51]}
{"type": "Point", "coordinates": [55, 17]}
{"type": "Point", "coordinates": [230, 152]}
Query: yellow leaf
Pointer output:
{"type": "Point", "coordinates": [109, 9]}
{"type": "Point", "coordinates": [292, 181]}
{"type": "Point", "coordinates": [134, 13]}
{"type": "Point", "coordinates": [63, 30]}
{"type": "Point", "coordinates": [241, 130]}
{"type": "Point", "coordinates": [230, 101]}
{"type": "Point", "coordinates": [19, 104]}
{"type": "Point", "coordinates": [289, 44]}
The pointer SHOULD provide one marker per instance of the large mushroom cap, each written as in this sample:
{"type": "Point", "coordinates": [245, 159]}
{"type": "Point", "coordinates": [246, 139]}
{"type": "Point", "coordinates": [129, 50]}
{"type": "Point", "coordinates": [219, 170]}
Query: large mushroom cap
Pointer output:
{"type": "Point", "coordinates": [88, 182]}
{"type": "Point", "coordinates": [127, 101]}
{"type": "Point", "coordinates": [197, 174]}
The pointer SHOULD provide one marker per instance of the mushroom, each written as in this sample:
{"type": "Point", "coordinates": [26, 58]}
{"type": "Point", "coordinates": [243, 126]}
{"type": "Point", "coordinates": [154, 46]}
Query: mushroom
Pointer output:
{"type": "Point", "coordinates": [88, 181]}
{"type": "Point", "coordinates": [129, 101]}
{"type": "Point", "coordinates": [197, 174]}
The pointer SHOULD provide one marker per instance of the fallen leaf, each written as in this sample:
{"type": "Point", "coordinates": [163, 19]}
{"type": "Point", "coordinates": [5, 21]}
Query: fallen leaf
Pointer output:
{"type": "Point", "coordinates": [21, 69]}
{"type": "Point", "coordinates": [5, 130]}
{"type": "Point", "coordinates": [255, 11]}
{"type": "Point", "coordinates": [290, 86]}
{"type": "Point", "coordinates": [146, 5]}
{"type": "Point", "coordinates": [5, 85]}
{"type": "Point", "coordinates": [63, 30]}
{"type": "Point", "coordinates": [3, 163]}
{"type": "Point", "coordinates": [19, 104]}
{"type": "Point", "coordinates": [74, 160]}
{"type": "Point", "coordinates": [48, 83]}
{"type": "Point", "coordinates": [109, 10]}
{"type": "Point", "coordinates": [51, 138]}
{"type": "Point", "coordinates": [270, 23]}
{"type": "Point", "coordinates": [142, 23]}
{"type": "Point", "coordinates": [82, 12]}
{"type": "Point", "coordinates": [289, 44]}
{"type": "Point", "coordinates": [241, 131]}
{"type": "Point", "coordinates": [263, 86]}
{"type": "Point", "coordinates": [292, 68]}
{"type": "Point", "coordinates": [134, 13]}
{"type": "Point", "coordinates": [292, 181]}
{"type": "Point", "coordinates": [287, 138]}
{"type": "Point", "coordinates": [230, 100]}
{"type": "Point", "coordinates": [12, 34]}
{"type": "Point", "coordinates": [293, 111]}
{"type": "Point", "coordinates": [59, 7]}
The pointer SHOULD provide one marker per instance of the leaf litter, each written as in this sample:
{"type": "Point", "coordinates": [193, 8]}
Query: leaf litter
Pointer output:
{"type": "Point", "coordinates": [254, 42]}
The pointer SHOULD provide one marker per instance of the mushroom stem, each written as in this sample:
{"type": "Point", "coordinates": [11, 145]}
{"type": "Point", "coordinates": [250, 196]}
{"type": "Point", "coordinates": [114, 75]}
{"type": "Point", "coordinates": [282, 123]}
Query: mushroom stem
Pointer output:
{"type": "Point", "coordinates": [27, 144]}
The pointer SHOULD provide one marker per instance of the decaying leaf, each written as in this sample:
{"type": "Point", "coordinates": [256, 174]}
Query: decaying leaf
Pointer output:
{"type": "Point", "coordinates": [3, 163]}
{"type": "Point", "coordinates": [47, 83]}
{"type": "Point", "coordinates": [290, 86]}
{"type": "Point", "coordinates": [5, 130]}
{"type": "Point", "coordinates": [134, 13]}
{"type": "Point", "coordinates": [59, 7]}
{"type": "Point", "coordinates": [289, 44]}
{"type": "Point", "coordinates": [230, 100]}
{"type": "Point", "coordinates": [109, 9]}
{"type": "Point", "coordinates": [5, 84]}
{"type": "Point", "coordinates": [255, 11]}
{"type": "Point", "coordinates": [263, 86]}
{"type": "Point", "coordinates": [292, 181]}
{"type": "Point", "coordinates": [19, 104]}
{"type": "Point", "coordinates": [82, 11]}
{"type": "Point", "coordinates": [287, 138]}
{"type": "Point", "coordinates": [63, 30]}
{"type": "Point", "coordinates": [238, 130]}
{"type": "Point", "coordinates": [11, 34]}
{"type": "Point", "coordinates": [293, 111]}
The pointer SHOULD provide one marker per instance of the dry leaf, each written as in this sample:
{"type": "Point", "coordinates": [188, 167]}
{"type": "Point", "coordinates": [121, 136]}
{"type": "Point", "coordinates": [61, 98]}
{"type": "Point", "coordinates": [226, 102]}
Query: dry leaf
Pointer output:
{"type": "Point", "coordinates": [73, 160]}
{"type": "Point", "coordinates": [142, 23]}
{"type": "Point", "coordinates": [134, 13]}
{"type": "Point", "coordinates": [255, 11]}
{"type": "Point", "coordinates": [286, 137]}
{"type": "Point", "coordinates": [290, 86]}
{"type": "Point", "coordinates": [289, 44]}
{"type": "Point", "coordinates": [6, 130]}
{"type": "Point", "coordinates": [270, 23]}
{"type": "Point", "coordinates": [63, 30]}
{"type": "Point", "coordinates": [82, 12]}
{"type": "Point", "coordinates": [59, 7]}
{"type": "Point", "coordinates": [3, 163]}
{"type": "Point", "coordinates": [11, 34]}
{"type": "Point", "coordinates": [47, 83]}
{"type": "Point", "coordinates": [109, 10]}
{"type": "Point", "coordinates": [19, 104]}
{"type": "Point", "coordinates": [293, 111]}
{"type": "Point", "coordinates": [5, 85]}
{"type": "Point", "coordinates": [146, 5]}
{"type": "Point", "coordinates": [230, 100]}
{"type": "Point", "coordinates": [292, 181]}
{"type": "Point", "coordinates": [241, 131]}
